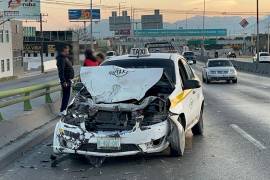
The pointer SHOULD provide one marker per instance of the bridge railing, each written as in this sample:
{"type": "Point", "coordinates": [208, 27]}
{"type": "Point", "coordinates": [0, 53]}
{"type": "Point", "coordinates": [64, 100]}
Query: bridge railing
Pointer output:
{"type": "Point", "coordinates": [25, 94]}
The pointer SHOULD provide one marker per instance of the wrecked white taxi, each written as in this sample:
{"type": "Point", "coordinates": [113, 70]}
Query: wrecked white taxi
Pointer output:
{"type": "Point", "coordinates": [139, 103]}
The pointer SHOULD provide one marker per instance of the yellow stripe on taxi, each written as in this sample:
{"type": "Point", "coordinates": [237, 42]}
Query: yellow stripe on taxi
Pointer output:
{"type": "Point", "coordinates": [180, 97]}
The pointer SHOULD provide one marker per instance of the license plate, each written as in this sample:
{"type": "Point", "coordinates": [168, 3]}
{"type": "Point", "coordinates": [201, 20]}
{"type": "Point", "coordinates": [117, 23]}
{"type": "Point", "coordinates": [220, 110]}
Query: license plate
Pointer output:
{"type": "Point", "coordinates": [109, 143]}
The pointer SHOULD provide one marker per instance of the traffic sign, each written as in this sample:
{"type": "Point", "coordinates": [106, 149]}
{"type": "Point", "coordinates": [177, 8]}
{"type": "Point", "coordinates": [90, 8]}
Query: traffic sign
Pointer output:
{"type": "Point", "coordinates": [244, 23]}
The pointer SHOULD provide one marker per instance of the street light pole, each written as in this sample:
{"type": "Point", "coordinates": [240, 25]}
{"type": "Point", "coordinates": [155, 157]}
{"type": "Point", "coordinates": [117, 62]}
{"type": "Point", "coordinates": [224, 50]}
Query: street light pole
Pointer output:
{"type": "Point", "coordinates": [258, 36]}
{"type": "Point", "coordinates": [42, 43]}
{"type": "Point", "coordinates": [91, 24]}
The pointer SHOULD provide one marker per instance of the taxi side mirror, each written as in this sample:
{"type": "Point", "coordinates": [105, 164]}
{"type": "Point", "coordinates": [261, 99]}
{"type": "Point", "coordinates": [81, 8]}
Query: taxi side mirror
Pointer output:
{"type": "Point", "coordinates": [192, 84]}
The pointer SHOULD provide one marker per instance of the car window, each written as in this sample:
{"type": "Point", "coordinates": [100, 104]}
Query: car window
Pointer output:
{"type": "Point", "coordinates": [185, 75]}
{"type": "Point", "coordinates": [167, 65]}
{"type": "Point", "coordinates": [264, 54]}
{"type": "Point", "coordinates": [188, 54]}
{"type": "Point", "coordinates": [219, 63]}
{"type": "Point", "coordinates": [189, 71]}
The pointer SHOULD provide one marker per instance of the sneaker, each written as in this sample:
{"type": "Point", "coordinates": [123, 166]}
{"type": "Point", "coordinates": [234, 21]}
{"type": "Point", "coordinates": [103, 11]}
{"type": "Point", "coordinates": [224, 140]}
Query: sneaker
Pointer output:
{"type": "Point", "coordinates": [63, 113]}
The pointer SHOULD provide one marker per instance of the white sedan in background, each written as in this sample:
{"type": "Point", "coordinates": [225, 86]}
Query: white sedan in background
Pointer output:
{"type": "Point", "coordinates": [264, 57]}
{"type": "Point", "coordinates": [219, 70]}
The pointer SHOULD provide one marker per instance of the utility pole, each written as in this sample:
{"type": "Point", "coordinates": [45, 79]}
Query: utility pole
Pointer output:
{"type": "Point", "coordinates": [186, 21]}
{"type": "Point", "coordinates": [203, 28]}
{"type": "Point", "coordinates": [42, 42]}
{"type": "Point", "coordinates": [91, 24]}
{"type": "Point", "coordinates": [131, 15]}
{"type": "Point", "coordinates": [258, 36]}
{"type": "Point", "coordinates": [268, 42]}
{"type": "Point", "coordinates": [119, 9]}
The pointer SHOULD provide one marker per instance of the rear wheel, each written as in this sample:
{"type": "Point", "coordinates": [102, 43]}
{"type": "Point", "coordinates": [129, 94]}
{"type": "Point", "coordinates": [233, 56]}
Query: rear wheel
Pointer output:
{"type": "Point", "coordinates": [198, 128]}
{"type": "Point", "coordinates": [177, 142]}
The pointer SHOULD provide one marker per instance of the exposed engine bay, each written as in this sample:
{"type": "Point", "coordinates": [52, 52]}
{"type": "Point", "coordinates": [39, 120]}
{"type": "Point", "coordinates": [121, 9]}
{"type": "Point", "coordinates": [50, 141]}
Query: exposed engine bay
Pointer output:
{"type": "Point", "coordinates": [119, 116]}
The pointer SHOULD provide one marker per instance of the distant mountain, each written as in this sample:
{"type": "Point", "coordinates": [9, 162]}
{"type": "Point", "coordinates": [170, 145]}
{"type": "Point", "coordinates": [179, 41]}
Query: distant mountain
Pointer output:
{"type": "Point", "coordinates": [230, 23]}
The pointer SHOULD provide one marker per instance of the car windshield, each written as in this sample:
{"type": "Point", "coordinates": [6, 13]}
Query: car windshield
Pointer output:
{"type": "Point", "coordinates": [264, 54]}
{"type": "Point", "coordinates": [110, 54]}
{"type": "Point", "coordinates": [167, 65]}
{"type": "Point", "coordinates": [219, 63]}
{"type": "Point", "coordinates": [188, 53]}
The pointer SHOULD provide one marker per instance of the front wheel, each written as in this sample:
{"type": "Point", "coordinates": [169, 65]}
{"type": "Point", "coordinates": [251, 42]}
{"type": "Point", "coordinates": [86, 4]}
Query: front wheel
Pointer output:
{"type": "Point", "coordinates": [203, 79]}
{"type": "Point", "coordinates": [234, 81]}
{"type": "Point", "coordinates": [177, 142]}
{"type": "Point", "coordinates": [207, 81]}
{"type": "Point", "coordinates": [198, 128]}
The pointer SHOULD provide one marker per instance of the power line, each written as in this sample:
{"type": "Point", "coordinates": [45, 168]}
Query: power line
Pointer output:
{"type": "Point", "coordinates": [146, 10]}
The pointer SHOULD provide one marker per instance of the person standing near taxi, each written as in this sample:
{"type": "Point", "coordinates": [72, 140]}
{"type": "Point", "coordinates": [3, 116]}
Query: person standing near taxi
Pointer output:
{"type": "Point", "coordinates": [90, 59]}
{"type": "Point", "coordinates": [66, 74]}
{"type": "Point", "coordinates": [100, 57]}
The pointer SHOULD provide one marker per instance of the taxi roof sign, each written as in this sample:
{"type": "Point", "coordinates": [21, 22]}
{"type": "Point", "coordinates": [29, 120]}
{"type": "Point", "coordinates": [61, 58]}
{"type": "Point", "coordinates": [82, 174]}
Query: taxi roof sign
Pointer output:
{"type": "Point", "coordinates": [139, 52]}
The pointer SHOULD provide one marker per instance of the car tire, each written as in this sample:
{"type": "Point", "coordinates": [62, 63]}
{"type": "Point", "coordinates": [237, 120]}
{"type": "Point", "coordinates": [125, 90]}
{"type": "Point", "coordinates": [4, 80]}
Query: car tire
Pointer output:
{"type": "Point", "coordinates": [194, 62]}
{"type": "Point", "coordinates": [203, 79]}
{"type": "Point", "coordinates": [228, 81]}
{"type": "Point", "coordinates": [197, 130]}
{"type": "Point", "coordinates": [207, 81]}
{"type": "Point", "coordinates": [177, 142]}
{"type": "Point", "coordinates": [234, 81]}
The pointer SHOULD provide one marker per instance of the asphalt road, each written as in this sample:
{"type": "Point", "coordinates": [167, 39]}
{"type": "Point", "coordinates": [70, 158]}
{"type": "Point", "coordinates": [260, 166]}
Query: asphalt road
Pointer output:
{"type": "Point", "coordinates": [236, 144]}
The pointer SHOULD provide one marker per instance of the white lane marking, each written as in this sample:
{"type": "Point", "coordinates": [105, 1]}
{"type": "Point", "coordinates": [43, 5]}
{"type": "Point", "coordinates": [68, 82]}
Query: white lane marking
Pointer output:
{"type": "Point", "coordinates": [257, 143]}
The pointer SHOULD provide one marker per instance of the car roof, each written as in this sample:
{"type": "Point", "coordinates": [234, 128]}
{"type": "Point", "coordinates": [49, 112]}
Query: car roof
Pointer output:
{"type": "Point", "coordinates": [165, 56]}
{"type": "Point", "coordinates": [219, 59]}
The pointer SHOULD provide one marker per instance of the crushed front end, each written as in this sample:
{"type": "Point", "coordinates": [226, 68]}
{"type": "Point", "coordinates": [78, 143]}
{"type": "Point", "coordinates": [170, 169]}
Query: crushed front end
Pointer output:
{"type": "Point", "coordinates": [123, 128]}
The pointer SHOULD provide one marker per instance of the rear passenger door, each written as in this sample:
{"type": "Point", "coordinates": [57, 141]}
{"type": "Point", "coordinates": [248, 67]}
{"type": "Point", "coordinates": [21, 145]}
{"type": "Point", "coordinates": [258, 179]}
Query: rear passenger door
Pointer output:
{"type": "Point", "coordinates": [186, 73]}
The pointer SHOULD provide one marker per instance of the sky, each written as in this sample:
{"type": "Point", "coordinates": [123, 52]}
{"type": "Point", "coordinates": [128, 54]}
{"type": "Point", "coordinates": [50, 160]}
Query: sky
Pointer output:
{"type": "Point", "coordinates": [58, 17]}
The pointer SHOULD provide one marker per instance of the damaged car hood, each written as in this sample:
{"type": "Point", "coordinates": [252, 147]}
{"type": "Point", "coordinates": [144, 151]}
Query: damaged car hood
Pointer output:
{"type": "Point", "coordinates": [111, 84]}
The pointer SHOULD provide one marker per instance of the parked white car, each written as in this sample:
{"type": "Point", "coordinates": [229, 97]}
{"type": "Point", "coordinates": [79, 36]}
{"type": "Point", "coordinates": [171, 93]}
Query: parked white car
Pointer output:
{"type": "Point", "coordinates": [137, 103]}
{"type": "Point", "coordinates": [219, 70]}
{"type": "Point", "coordinates": [264, 57]}
{"type": "Point", "coordinates": [110, 54]}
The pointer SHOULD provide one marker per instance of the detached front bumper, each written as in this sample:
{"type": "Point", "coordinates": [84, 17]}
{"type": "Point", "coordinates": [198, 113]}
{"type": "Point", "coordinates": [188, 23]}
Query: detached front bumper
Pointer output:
{"type": "Point", "coordinates": [73, 140]}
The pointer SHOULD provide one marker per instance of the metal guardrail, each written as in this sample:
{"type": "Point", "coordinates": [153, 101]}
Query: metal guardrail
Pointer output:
{"type": "Point", "coordinates": [25, 94]}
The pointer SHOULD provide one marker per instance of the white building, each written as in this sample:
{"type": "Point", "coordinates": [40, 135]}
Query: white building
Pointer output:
{"type": "Point", "coordinates": [11, 45]}
{"type": "Point", "coordinates": [6, 54]}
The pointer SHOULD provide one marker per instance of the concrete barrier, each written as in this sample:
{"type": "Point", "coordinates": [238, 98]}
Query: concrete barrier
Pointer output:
{"type": "Point", "coordinates": [260, 68]}
{"type": "Point", "coordinates": [249, 67]}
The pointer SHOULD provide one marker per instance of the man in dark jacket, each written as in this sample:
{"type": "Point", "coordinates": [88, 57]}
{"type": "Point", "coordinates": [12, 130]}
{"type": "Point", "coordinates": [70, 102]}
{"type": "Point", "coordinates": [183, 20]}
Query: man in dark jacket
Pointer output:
{"type": "Point", "coordinates": [66, 74]}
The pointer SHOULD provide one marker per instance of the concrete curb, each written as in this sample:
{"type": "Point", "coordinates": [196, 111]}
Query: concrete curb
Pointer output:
{"type": "Point", "coordinates": [14, 151]}
{"type": "Point", "coordinates": [22, 134]}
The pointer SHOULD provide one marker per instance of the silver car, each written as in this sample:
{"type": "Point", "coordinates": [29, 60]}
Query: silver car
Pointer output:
{"type": "Point", "coordinates": [219, 70]}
